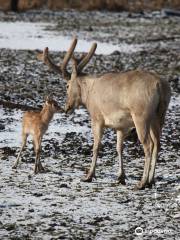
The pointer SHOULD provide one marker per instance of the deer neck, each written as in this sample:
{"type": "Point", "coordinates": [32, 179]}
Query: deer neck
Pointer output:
{"type": "Point", "coordinates": [86, 86]}
{"type": "Point", "coordinates": [46, 115]}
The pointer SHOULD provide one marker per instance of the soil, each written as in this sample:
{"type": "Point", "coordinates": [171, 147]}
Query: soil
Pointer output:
{"type": "Point", "coordinates": [57, 204]}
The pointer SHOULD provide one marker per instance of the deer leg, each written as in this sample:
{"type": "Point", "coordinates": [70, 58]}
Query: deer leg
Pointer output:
{"type": "Point", "coordinates": [155, 135]}
{"type": "Point", "coordinates": [97, 132]}
{"type": "Point", "coordinates": [38, 166]}
{"type": "Point", "coordinates": [147, 151]}
{"type": "Point", "coordinates": [24, 140]}
{"type": "Point", "coordinates": [37, 159]}
{"type": "Point", "coordinates": [143, 131]}
{"type": "Point", "coordinates": [121, 173]}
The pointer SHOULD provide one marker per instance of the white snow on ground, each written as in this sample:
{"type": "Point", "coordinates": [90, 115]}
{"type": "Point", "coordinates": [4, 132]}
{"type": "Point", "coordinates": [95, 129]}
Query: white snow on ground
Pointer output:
{"type": "Point", "coordinates": [27, 35]}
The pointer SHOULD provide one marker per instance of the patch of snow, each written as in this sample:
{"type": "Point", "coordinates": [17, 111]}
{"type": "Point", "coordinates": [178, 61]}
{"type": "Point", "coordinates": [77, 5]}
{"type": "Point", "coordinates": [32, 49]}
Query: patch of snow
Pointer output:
{"type": "Point", "coordinates": [175, 101]}
{"type": "Point", "coordinates": [27, 35]}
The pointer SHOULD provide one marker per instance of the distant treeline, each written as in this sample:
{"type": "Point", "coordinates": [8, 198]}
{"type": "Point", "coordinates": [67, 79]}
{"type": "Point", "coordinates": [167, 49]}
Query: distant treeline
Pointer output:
{"type": "Point", "coordinates": [113, 5]}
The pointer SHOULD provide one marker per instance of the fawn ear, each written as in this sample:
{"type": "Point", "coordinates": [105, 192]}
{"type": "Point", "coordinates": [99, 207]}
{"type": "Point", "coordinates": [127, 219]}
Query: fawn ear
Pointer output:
{"type": "Point", "coordinates": [47, 99]}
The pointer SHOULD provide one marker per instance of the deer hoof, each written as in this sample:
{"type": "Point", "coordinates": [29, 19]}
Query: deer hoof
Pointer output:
{"type": "Point", "coordinates": [14, 167]}
{"type": "Point", "coordinates": [87, 179]}
{"type": "Point", "coordinates": [36, 170]}
{"type": "Point", "coordinates": [41, 168]}
{"type": "Point", "coordinates": [151, 184]}
{"type": "Point", "coordinates": [121, 180]}
{"type": "Point", "coordinates": [139, 186]}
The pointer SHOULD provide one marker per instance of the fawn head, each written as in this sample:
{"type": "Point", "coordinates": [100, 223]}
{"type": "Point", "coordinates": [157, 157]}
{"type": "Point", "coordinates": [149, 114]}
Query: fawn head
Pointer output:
{"type": "Point", "coordinates": [52, 105]}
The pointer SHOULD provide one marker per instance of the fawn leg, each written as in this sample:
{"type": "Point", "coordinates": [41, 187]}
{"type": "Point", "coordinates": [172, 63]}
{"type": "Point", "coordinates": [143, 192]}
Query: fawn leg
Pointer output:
{"type": "Point", "coordinates": [24, 140]}
{"type": "Point", "coordinates": [37, 142]}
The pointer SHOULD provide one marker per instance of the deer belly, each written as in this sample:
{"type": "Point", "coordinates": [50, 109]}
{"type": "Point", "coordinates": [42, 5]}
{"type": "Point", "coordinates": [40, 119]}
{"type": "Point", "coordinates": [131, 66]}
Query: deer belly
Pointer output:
{"type": "Point", "coordinates": [119, 121]}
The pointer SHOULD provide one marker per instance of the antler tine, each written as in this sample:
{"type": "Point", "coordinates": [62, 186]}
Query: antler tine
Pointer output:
{"type": "Point", "coordinates": [68, 56]}
{"type": "Point", "coordinates": [74, 62]}
{"type": "Point", "coordinates": [62, 68]}
{"type": "Point", "coordinates": [87, 58]}
{"type": "Point", "coordinates": [46, 59]}
{"type": "Point", "coordinates": [78, 60]}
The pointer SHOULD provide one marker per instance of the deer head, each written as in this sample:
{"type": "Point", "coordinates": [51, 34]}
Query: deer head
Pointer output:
{"type": "Point", "coordinates": [73, 86]}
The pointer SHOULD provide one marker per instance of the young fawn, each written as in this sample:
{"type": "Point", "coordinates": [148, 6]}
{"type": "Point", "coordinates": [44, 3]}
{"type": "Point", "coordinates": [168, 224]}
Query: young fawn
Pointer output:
{"type": "Point", "coordinates": [36, 124]}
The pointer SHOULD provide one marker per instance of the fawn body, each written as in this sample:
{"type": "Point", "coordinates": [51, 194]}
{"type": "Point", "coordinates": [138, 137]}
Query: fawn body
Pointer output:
{"type": "Point", "coordinates": [36, 124]}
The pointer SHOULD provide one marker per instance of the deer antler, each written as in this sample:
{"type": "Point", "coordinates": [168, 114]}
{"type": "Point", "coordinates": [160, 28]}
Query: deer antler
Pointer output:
{"type": "Point", "coordinates": [61, 69]}
{"type": "Point", "coordinates": [68, 55]}
{"type": "Point", "coordinates": [87, 58]}
{"type": "Point", "coordinates": [79, 59]}
{"type": "Point", "coordinates": [47, 60]}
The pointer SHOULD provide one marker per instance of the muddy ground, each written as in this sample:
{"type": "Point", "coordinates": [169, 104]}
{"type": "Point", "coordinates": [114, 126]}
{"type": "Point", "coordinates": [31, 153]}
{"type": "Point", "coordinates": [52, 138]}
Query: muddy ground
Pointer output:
{"type": "Point", "coordinates": [56, 204]}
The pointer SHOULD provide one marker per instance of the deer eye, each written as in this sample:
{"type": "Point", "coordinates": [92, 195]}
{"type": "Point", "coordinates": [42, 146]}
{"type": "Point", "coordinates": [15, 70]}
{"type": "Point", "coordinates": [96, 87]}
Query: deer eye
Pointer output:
{"type": "Point", "coordinates": [67, 86]}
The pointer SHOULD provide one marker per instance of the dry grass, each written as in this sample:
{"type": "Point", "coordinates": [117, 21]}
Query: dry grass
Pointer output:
{"type": "Point", "coordinates": [112, 5]}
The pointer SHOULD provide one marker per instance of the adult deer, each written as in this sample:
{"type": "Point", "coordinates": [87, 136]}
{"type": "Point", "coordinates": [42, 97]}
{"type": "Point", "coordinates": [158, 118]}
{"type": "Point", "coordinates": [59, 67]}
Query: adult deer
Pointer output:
{"type": "Point", "coordinates": [117, 100]}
